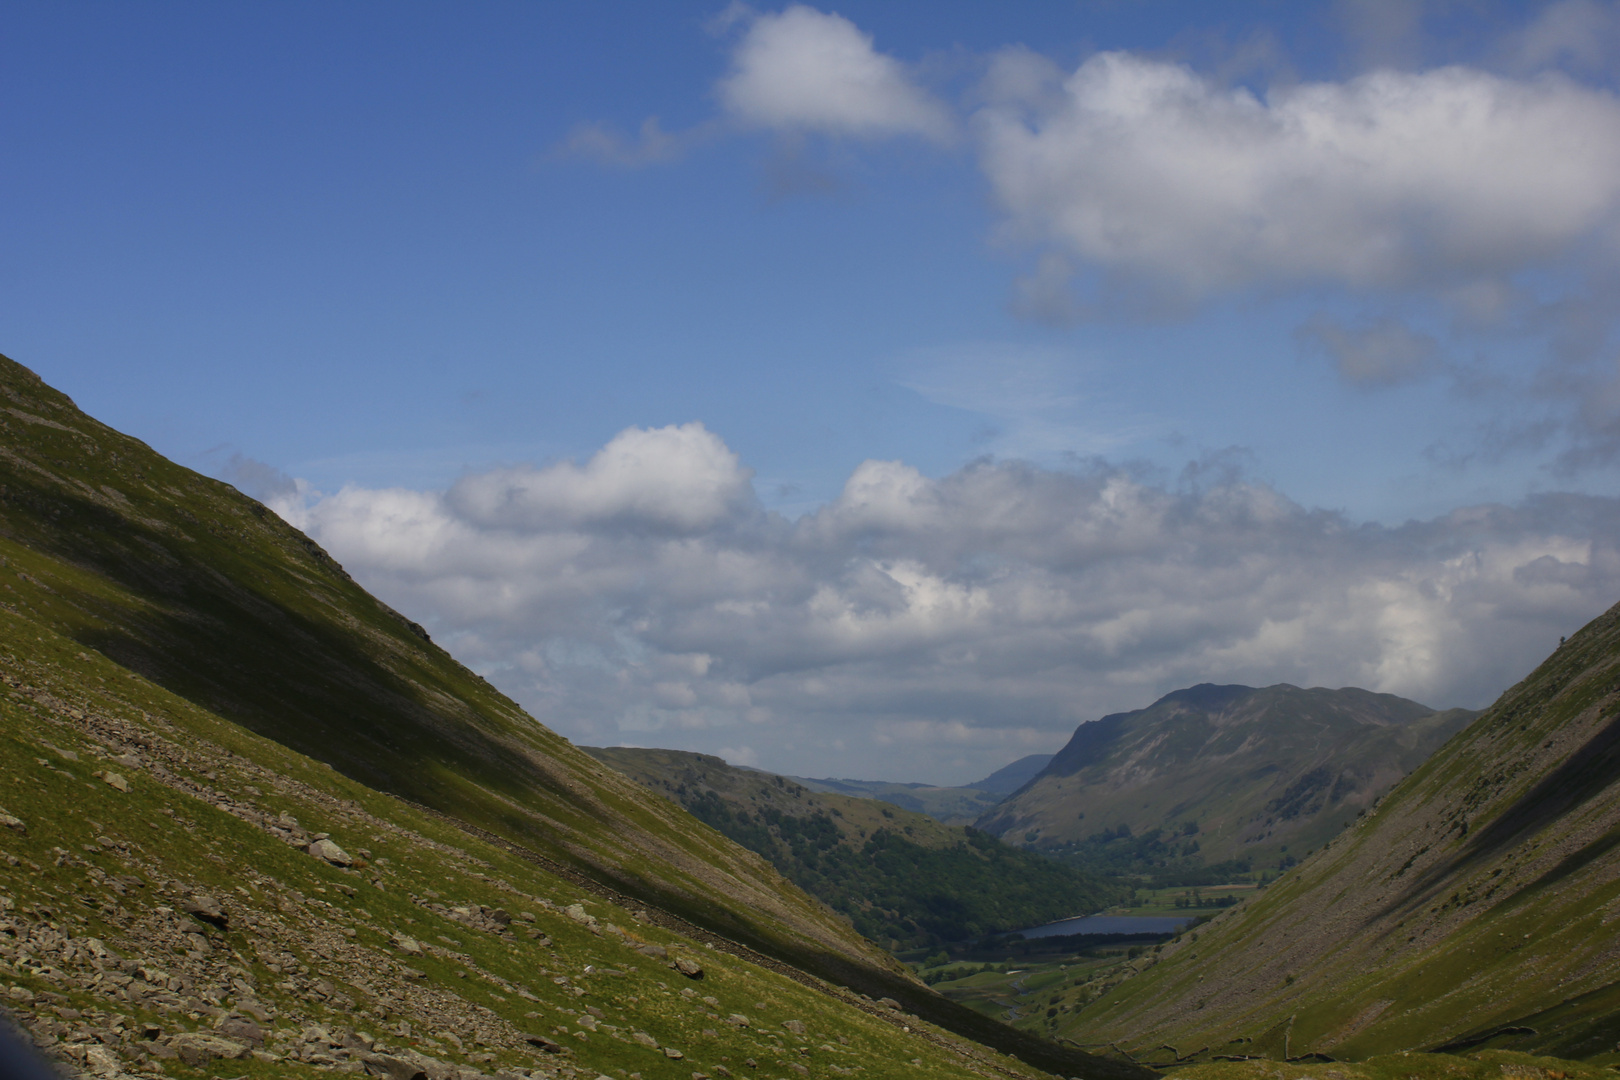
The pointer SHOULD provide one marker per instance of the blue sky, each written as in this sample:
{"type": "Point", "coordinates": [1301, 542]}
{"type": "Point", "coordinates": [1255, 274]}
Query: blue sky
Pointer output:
{"type": "Point", "coordinates": [1323, 293]}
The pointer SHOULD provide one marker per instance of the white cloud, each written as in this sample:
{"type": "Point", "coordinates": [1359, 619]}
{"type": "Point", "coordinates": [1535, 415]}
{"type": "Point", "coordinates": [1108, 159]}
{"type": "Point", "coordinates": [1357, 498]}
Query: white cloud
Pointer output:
{"type": "Point", "coordinates": [680, 479]}
{"type": "Point", "coordinates": [1153, 174]}
{"type": "Point", "coordinates": [923, 628]}
{"type": "Point", "coordinates": [808, 71]}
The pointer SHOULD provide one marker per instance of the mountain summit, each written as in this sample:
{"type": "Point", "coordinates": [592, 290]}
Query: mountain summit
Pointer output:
{"type": "Point", "coordinates": [1215, 774]}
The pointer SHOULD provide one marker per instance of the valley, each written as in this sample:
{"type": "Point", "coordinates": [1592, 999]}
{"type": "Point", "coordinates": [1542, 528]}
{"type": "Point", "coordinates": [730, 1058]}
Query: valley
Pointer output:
{"type": "Point", "coordinates": [255, 823]}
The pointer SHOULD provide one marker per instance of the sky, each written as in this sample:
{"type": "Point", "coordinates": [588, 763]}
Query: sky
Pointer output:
{"type": "Point", "coordinates": [878, 389]}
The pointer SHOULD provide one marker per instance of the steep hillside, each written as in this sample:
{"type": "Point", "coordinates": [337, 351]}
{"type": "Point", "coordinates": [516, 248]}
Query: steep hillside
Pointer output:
{"type": "Point", "coordinates": [163, 579]}
{"type": "Point", "coordinates": [902, 879]}
{"type": "Point", "coordinates": [1479, 903]}
{"type": "Point", "coordinates": [1009, 778]}
{"type": "Point", "coordinates": [1216, 774]}
{"type": "Point", "coordinates": [181, 897]}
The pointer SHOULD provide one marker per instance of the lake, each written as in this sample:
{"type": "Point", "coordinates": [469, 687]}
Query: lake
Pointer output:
{"type": "Point", "coordinates": [1111, 924]}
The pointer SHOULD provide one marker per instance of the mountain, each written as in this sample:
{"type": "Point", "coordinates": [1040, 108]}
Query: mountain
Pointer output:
{"type": "Point", "coordinates": [162, 628]}
{"type": "Point", "coordinates": [901, 878]}
{"type": "Point", "coordinates": [1215, 776]}
{"type": "Point", "coordinates": [1009, 778]}
{"type": "Point", "coordinates": [1478, 904]}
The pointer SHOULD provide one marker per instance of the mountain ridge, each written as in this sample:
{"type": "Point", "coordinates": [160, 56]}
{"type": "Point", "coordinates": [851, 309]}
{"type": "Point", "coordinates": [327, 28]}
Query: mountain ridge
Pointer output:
{"type": "Point", "coordinates": [1221, 774]}
{"type": "Point", "coordinates": [1478, 904]}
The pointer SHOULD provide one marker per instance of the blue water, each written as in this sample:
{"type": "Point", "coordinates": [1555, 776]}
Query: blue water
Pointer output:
{"type": "Point", "coordinates": [1111, 924]}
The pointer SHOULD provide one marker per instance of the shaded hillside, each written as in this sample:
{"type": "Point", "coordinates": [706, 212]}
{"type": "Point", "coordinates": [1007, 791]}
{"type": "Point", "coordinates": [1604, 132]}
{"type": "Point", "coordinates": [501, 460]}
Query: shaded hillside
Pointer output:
{"type": "Point", "coordinates": [188, 587]}
{"type": "Point", "coordinates": [1478, 904]}
{"type": "Point", "coordinates": [1009, 778]}
{"type": "Point", "coordinates": [180, 897]}
{"type": "Point", "coordinates": [952, 805]}
{"type": "Point", "coordinates": [902, 879]}
{"type": "Point", "coordinates": [1216, 775]}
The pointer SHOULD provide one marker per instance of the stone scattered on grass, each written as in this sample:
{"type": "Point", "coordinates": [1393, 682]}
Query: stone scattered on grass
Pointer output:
{"type": "Point", "coordinates": [323, 848]}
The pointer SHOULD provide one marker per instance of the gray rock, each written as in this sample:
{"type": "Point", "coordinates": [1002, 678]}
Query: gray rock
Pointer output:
{"type": "Point", "coordinates": [550, 1046]}
{"type": "Point", "coordinates": [206, 908]}
{"type": "Point", "coordinates": [327, 850]}
{"type": "Point", "coordinates": [198, 1048]}
{"type": "Point", "coordinates": [645, 1039]}
{"type": "Point", "coordinates": [115, 781]}
{"type": "Point", "coordinates": [795, 1026]}
{"type": "Point", "coordinates": [242, 1029]}
{"type": "Point", "coordinates": [393, 1068]}
{"type": "Point", "coordinates": [13, 823]}
{"type": "Point", "coordinates": [657, 952]}
{"type": "Point", "coordinates": [688, 967]}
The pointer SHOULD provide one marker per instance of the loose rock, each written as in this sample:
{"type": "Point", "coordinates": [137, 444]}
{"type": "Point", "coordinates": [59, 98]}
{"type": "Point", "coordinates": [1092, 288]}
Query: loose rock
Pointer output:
{"type": "Point", "coordinates": [206, 908]}
{"type": "Point", "coordinates": [197, 1048]}
{"type": "Point", "coordinates": [325, 849]}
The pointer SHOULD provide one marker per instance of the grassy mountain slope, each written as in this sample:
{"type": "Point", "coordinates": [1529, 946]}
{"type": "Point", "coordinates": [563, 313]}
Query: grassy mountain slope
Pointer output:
{"type": "Point", "coordinates": [195, 590]}
{"type": "Point", "coordinates": [1212, 774]}
{"type": "Point", "coordinates": [1479, 903]}
{"type": "Point", "coordinates": [160, 913]}
{"type": "Point", "coordinates": [901, 878]}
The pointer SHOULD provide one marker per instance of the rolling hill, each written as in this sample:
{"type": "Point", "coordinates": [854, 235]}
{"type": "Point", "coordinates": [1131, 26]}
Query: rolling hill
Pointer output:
{"type": "Point", "coordinates": [161, 628]}
{"type": "Point", "coordinates": [1477, 905]}
{"type": "Point", "coordinates": [1215, 776]}
{"type": "Point", "coordinates": [902, 879]}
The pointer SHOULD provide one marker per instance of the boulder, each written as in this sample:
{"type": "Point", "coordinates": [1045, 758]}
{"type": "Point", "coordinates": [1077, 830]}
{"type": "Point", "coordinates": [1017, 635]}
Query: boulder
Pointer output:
{"type": "Point", "coordinates": [241, 1028]}
{"type": "Point", "coordinates": [324, 848]}
{"type": "Point", "coordinates": [394, 1068]}
{"type": "Point", "coordinates": [795, 1026]}
{"type": "Point", "coordinates": [406, 944]}
{"type": "Point", "coordinates": [13, 823]}
{"type": "Point", "coordinates": [198, 1048]}
{"type": "Point", "coordinates": [550, 1046]}
{"type": "Point", "coordinates": [115, 781]}
{"type": "Point", "coordinates": [688, 967]}
{"type": "Point", "coordinates": [206, 908]}
{"type": "Point", "coordinates": [657, 952]}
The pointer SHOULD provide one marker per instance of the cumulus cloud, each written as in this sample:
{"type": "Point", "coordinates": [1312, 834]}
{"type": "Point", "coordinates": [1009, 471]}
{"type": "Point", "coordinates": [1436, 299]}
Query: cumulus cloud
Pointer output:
{"type": "Point", "coordinates": [1154, 174]}
{"type": "Point", "coordinates": [924, 628]}
{"type": "Point", "coordinates": [678, 479]}
{"type": "Point", "coordinates": [804, 70]}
